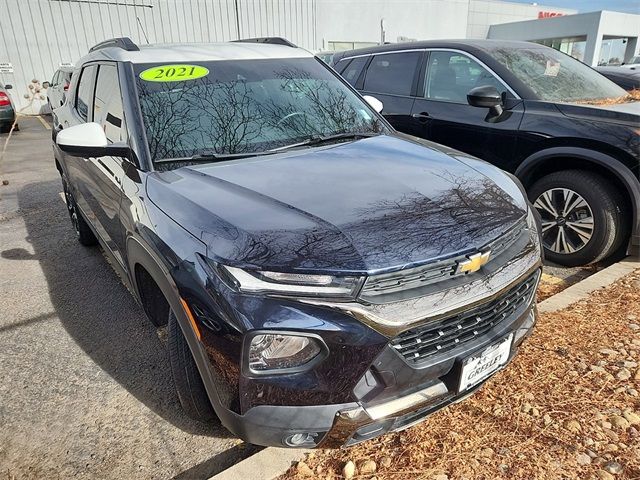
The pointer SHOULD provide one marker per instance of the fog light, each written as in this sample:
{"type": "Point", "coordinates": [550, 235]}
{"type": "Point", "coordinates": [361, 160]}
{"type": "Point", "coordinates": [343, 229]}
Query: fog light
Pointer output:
{"type": "Point", "coordinates": [301, 440]}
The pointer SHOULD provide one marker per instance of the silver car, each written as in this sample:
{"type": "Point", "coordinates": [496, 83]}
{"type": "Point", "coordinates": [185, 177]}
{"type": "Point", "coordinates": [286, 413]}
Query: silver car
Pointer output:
{"type": "Point", "coordinates": [58, 87]}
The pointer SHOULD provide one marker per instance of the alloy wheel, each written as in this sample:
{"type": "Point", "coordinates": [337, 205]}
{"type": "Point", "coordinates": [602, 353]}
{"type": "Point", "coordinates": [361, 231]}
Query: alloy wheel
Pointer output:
{"type": "Point", "coordinates": [567, 220]}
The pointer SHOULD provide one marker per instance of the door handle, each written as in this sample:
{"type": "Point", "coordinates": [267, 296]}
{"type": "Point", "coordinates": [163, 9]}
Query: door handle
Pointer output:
{"type": "Point", "coordinates": [421, 117]}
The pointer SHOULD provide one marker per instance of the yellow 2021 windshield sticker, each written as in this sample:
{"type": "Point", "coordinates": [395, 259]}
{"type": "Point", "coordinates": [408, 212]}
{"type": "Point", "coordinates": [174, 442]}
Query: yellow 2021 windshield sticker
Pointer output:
{"type": "Point", "coordinates": [173, 73]}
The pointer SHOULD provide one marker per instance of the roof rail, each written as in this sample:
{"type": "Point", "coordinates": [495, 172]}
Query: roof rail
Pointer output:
{"type": "Point", "coordinates": [269, 40]}
{"type": "Point", "coordinates": [120, 42]}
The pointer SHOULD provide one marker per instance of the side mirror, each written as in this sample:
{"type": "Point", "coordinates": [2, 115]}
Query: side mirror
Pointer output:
{"type": "Point", "coordinates": [486, 96]}
{"type": "Point", "coordinates": [46, 84]}
{"type": "Point", "coordinates": [376, 104]}
{"type": "Point", "coordinates": [89, 140]}
{"type": "Point", "coordinates": [8, 87]}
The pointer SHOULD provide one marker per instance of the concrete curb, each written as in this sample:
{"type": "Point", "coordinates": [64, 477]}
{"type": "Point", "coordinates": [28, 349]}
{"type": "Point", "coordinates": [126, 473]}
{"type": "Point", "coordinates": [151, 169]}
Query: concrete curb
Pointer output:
{"type": "Point", "coordinates": [264, 465]}
{"type": "Point", "coordinates": [582, 289]}
{"type": "Point", "coordinates": [272, 462]}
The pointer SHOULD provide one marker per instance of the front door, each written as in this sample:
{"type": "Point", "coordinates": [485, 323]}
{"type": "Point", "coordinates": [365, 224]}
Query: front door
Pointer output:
{"type": "Point", "coordinates": [441, 113]}
{"type": "Point", "coordinates": [103, 187]}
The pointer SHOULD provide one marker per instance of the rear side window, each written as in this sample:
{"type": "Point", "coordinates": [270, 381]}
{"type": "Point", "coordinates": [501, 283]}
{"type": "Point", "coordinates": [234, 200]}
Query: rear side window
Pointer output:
{"type": "Point", "coordinates": [107, 106]}
{"type": "Point", "coordinates": [352, 72]}
{"type": "Point", "coordinates": [56, 79]}
{"type": "Point", "coordinates": [392, 73]}
{"type": "Point", "coordinates": [85, 91]}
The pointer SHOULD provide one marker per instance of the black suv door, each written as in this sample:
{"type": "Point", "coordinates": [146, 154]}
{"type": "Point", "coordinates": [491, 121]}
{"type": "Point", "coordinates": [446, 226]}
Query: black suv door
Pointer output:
{"type": "Point", "coordinates": [441, 113]}
{"type": "Point", "coordinates": [392, 79]}
{"type": "Point", "coordinates": [105, 174]}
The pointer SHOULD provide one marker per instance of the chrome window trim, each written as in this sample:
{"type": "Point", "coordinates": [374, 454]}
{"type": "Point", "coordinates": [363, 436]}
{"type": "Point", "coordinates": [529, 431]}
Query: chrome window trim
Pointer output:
{"type": "Point", "coordinates": [470, 55]}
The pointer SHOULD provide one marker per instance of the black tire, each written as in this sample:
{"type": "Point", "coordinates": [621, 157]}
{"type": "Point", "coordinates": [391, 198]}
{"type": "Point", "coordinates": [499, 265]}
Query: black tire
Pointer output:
{"type": "Point", "coordinates": [186, 377]}
{"type": "Point", "coordinates": [83, 231]}
{"type": "Point", "coordinates": [600, 216]}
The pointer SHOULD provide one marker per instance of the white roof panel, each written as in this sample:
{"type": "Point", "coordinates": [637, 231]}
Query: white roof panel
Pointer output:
{"type": "Point", "coordinates": [194, 52]}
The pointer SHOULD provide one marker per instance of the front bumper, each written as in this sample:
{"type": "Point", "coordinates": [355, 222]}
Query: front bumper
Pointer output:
{"type": "Point", "coordinates": [370, 384]}
{"type": "Point", "coordinates": [341, 425]}
{"type": "Point", "coordinates": [7, 115]}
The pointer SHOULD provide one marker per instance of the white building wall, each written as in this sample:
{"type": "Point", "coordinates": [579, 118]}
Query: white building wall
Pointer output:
{"type": "Point", "coordinates": [359, 20]}
{"type": "Point", "coordinates": [36, 36]}
{"type": "Point", "coordinates": [593, 26]}
{"type": "Point", "coordinates": [484, 13]}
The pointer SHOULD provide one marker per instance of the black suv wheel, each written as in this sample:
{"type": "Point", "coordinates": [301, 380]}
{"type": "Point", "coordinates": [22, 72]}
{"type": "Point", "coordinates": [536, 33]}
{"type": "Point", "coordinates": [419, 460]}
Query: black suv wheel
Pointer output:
{"type": "Point", "coordinates": [582, 216]}
{"type": "Point", "coordinates": [186, 377]}
{"type": "Point", "coordinates": [83, 231]}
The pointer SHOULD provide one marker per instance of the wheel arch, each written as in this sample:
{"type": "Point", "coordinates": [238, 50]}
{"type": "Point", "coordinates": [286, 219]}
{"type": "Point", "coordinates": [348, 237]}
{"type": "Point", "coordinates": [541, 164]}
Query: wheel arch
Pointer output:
{"type": "Point", "coordinates": [139, 256]}
{"type": "Point", "coordinates": [141, 259]}
{"type": "Point", "coordinates": [546, 161]}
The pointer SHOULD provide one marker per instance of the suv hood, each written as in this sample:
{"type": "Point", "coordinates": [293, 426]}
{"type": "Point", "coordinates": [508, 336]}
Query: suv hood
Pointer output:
{"type": "Point", "coordinates": [626, 113]}
{"type": "Point", "coordinates": [371, 205]}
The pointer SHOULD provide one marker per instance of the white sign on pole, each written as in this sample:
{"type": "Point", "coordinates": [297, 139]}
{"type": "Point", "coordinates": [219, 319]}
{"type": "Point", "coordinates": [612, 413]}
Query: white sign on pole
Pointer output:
{"type": "Point", "coordinates": [6, 67]}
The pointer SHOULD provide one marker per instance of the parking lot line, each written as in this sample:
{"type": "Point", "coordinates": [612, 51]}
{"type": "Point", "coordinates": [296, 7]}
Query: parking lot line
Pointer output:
{"type": "Point", "coordinates": [44, 122]}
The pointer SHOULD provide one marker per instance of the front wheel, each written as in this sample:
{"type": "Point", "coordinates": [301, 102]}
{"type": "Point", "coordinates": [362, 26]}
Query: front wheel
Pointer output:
{"type": "Point", "coordinates": [582, 217]}
{"type": "Point", "coordinates": [186, 377]}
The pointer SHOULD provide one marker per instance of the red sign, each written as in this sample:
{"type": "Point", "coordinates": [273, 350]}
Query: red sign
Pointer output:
{"type": "Point", "coordinates": [549, 14]}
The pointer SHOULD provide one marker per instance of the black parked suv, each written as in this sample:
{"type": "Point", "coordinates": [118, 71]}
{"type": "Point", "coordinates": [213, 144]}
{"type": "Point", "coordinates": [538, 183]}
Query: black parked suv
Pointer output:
{"type": "Point", "coordinates": [570, 135]}
{"type": "Point", "coordinates": [324, 279]}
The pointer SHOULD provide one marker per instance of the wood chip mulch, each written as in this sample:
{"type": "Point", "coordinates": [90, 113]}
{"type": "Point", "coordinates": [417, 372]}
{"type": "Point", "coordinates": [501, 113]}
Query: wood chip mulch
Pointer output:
{"type": "Point", "coordinates": [567, 407]}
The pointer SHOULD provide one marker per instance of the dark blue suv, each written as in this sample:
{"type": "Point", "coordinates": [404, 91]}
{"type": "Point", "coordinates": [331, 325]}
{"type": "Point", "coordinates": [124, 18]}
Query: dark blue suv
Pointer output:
{"type": "Point", "coordinates": [324, 279]}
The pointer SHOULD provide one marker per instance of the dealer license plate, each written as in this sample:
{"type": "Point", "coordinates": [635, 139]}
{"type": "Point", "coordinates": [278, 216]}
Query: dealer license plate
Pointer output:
{"type": "Point", "coordinates": [477, 368]}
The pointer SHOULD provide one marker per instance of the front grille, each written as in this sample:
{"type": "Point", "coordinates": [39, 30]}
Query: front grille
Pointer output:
{"type": "Point", "coordinates": [415, 278]}
{"type": "Point", "coordinates": [418, 344]}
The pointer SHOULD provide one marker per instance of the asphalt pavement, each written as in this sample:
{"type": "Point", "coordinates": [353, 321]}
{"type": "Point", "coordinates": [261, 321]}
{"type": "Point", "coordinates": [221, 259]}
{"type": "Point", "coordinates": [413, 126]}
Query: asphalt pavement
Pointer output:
{"type": "Point", "coordinates": [86, 389]}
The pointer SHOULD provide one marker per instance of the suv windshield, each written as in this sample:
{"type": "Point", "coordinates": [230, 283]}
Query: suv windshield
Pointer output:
{"type": "Point", "coordinates": [247, 106]}
{"type": "Point", "coordinates": [556, 77]}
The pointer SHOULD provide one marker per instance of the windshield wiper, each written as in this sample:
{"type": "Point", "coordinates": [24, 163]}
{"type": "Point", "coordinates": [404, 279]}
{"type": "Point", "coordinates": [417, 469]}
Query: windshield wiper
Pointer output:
{"type": "Point", "coordinates": [210, 156]}
{"type": "Point", "coordinates": [320, 139]}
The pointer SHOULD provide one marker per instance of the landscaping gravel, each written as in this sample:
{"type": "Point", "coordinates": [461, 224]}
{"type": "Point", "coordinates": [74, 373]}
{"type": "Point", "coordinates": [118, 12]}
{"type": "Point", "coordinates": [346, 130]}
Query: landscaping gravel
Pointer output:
{"type": "Point", "coordinates": [566, 407]}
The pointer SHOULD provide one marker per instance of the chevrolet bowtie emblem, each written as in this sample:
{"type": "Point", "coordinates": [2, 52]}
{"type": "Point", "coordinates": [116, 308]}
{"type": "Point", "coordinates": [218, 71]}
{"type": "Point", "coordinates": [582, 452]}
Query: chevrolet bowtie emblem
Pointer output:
{"type": "Point", "coordinates": [474, 262]}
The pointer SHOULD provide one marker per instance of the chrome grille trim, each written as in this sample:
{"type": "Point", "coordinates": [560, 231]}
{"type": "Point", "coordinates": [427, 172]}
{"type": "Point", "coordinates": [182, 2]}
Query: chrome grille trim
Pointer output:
{"type": "Point", "coordinates": [418, 277]}
{"type": "Point", "coordinates": [419, 344]}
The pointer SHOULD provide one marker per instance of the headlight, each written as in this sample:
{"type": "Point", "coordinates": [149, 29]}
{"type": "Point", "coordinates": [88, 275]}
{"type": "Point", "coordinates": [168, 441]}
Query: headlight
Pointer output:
{"type": "Point", "coordinates": [294, 283]}
{"type": "Point", "coordinates": [279, 353]}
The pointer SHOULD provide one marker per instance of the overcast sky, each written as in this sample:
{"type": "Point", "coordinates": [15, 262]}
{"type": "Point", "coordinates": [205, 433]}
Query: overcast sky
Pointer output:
{"type": "Point", "coordinates": [629, 6]}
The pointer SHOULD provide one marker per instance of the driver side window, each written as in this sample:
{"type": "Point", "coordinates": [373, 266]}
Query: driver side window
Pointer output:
{"type": "Point", "coordinates": [450, 76]}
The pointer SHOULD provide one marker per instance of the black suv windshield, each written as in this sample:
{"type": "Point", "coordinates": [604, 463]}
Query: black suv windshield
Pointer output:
{"type": "Point", "coordinates": [245, 106]}
{"type": "Point", "coordinates": [556, 77]}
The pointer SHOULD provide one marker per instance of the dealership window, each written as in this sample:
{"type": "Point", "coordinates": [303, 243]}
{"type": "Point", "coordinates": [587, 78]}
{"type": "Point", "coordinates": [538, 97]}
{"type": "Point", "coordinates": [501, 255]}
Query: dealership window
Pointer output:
{"type": "Point", "coordinates": [341, 46]}
{"type": "Point", "coordinates": [451, 75]}
{"type": "Point", "coordinates": [392, 73]}
{"type": "Point", "coordinates": [85, 91]}
{"type": "Point", "coordinates": [574, 46]}
{"type": "Point", "coordinates": [107, 107]}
